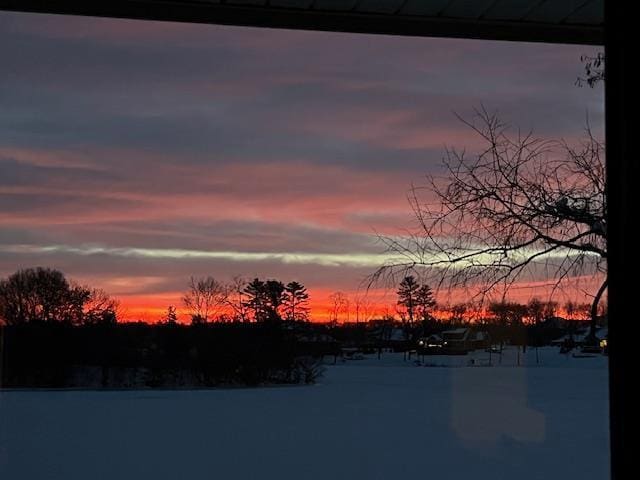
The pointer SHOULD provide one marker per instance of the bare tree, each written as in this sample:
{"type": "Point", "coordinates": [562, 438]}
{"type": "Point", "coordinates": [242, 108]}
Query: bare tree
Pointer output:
{"type": "Point", "coordinates": [100, 307]}
{"type": "Point", "coordinates": [363, 308]}
{"type": "Point", "coordinates": [205, 299]}
{"type": "Point", "coordinates": [45, 295]}
{"type": "Point", "coordinates": [458, 312]}
{"type": "Point", "coordinates": [41, 295]}
{"type": "Point", "coordinates": [340, 305]}
{"type": "Point", "coordinates": [584, 311]}
{"type": "Point", "coordinates": [550, 309]}
{"type": "Point", "coordinates": [521, 208]}
{"type": "Point", "coordinates": [570, 308]}
{"type": "Point", "coordinates": [535, 311]}
{"type": "Point", "coordinates": [235, 299]}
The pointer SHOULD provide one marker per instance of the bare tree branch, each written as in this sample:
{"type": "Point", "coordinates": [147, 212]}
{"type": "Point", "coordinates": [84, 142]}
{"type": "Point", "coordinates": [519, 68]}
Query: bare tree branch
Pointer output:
{"type": "Point", "coordinates": [521, 206]}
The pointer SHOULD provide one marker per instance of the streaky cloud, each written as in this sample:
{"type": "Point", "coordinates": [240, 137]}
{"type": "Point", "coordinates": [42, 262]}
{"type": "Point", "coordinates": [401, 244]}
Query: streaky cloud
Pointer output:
{"type": "Point", "coordinates": [350, 259]}
{"type": "Point", "coordinates": [323, 259]}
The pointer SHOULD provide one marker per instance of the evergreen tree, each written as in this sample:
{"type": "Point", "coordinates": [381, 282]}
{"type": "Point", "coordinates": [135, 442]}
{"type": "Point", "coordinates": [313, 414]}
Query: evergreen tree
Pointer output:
{"type": "Point", "coordinates": [408, 295]}
{"type": "Point", "coordinates": [265, 299]}
{"type": "Point", "coordinates": [171, 317]}
{"type": "Point", "coordinates": [275, 295]}
{"type": "Point", "coordinates": [256, 302]}
{"type": "Point", "coordinates": [425, 301]}
{"type": "Point", "coordinates": [296, 302]}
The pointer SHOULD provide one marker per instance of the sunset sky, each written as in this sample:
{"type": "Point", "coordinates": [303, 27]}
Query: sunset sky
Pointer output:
{"type": "Point", "coordinates": [135, 154]}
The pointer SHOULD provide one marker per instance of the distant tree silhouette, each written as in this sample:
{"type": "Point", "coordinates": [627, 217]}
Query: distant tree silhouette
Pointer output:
{"type": "Point", "coordinates": [256, 299]}
{"type": "Point", "coordinates": [570, 308]}
{"type": "Point", "coordinates": [577, 310]}
{"type": "Point", "coordinates": [407, 296]}
{"type": "Point", "coordinates": [509, 316]}
{"type": "Point", "coordinates": [340, 304]}
{"type": "Point", "coordinates": [536, 311]}
{"type": "Point", "coordinates": [583, 311]}
{"type": "Point", "coordinates": [296, 302]}
{"type": "Point", "coordinates": [458, 312]}
{"type": "Point", "coordinates": [265, 299]}
{"type": "Point", "coordinates": [205, 299]}
{"type": "Point", "coordinates": [39, 295]}
{"type": "Point", "coordinates": [235, 299]}
{"type": "Point", "coordinates": [171, 316]}
{"type": "Point", "coordinates": [508, 313]}
{"type": "Point", "coordinates": [550, 309]}
{"type": "Point", "coordinates": [425, 301]}
{"type": "Point", "coordinates": [275, 295]}
{"type": "Point", "coordinates": [100, 308]}
{"type": "Point", "coordinates": [45, 295]}
{"type": "Point", "coordinates": [363, 308]}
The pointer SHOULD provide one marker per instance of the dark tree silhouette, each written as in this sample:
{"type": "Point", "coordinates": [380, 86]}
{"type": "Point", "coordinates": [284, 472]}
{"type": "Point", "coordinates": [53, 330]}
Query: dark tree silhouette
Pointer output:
{"type": "Point", "coordinates": [508, 314]}
{"type": "Point", "coordinates": [340, 305]}
{"type": "Point", "coordinates": [205, 299]}
{"type": "Point", "coordinates": [408, 296]}
{"type": "Point", "coordinates": [45, 295]}
{"type": "Point", "coordinates": [536, 310]}
{"type": "Point", "coordinates": [275, 295]}
{"type": "Point", "coordinates": [550, 309]}
{"type": "Point", "coordinates": [265, 299]}
{"type": "Point", "coordinates": [296, 302]}
{"type": "Point", "coordinates": [100, 308]}
{"type": "Point", "coordinates": [363, 308]}
{"type": "Point", "coordinates": [425, 301]}
{"type": "Point", "coordinates": [458, 312]}
{"type": "Point", "coordinates": [256, 301]}
{"type": "Point", "coordinates": [235, 299]}
{"type": "Point", "coordinates": [171, 316]}
{"type": "Point", "coordinates": [518, 207]}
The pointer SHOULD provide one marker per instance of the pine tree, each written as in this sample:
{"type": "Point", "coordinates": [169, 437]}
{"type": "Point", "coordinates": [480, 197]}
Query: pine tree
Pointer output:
{"type": "Point", "coordinates": [265, 299]}
{"type": "Point", "coordinates": [171, 317]}
{"type": "Point", "coordinates": [296, 302]}
{"type": "Point", "coordinates": [408, 295]}
{"type": "Point", "coordinates": [275, 294]}
{"type": "Point", "coordinates": [256, 299]}
{"type": "Point", "coordinates": [425, 301]}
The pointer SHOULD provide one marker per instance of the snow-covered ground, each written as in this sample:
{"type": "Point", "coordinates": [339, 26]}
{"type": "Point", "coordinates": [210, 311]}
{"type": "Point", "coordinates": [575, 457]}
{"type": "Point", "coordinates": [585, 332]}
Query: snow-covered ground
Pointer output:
{"type": "Point", "coordinates": [366, 419]}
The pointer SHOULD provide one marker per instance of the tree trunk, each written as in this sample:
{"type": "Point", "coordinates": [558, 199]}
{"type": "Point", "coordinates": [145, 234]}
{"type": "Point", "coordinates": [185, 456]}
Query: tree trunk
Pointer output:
{"type": "Point", "coordinates": [594, 312]}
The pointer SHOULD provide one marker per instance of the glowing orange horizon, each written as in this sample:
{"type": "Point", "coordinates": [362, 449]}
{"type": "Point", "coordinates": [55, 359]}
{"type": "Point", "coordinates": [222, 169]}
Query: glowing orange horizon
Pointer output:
{"type": "Point", "coordinates": [152, 308]}
{"type": "Point", "coordinates": [376, 304]}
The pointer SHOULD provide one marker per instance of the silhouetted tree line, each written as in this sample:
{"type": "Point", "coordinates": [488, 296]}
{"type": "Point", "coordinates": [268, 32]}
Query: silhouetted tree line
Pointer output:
{"type": "Point", "coordinates": [262, 301]}
{"type": "Point", "coordinates": [55, 333]}
{"type": "Point", "coordinates": [417, 315]}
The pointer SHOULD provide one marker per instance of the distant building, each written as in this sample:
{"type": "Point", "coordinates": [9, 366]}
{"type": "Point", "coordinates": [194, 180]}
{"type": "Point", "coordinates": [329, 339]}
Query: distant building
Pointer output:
{"type": "Point", "coordinates": [462, 340]}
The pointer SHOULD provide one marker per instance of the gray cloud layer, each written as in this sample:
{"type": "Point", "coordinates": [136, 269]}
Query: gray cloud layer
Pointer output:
{"type": "Point", "coordinates": [153, 135]}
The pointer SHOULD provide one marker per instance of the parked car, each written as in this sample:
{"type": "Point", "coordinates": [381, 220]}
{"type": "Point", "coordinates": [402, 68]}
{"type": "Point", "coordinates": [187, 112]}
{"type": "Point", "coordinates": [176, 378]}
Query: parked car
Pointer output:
{"type": "Point", "coordinates": [431, 345]}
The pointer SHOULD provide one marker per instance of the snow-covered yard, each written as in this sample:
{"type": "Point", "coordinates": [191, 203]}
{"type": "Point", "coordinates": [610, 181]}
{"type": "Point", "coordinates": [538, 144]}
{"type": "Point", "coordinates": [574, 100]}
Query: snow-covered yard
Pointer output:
{"type": "Point", "coordinates": [366, 419]}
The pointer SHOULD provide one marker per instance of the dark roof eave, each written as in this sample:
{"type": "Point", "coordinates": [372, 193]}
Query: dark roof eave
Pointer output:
{"type": "Point", "coordinates": [355, 22]}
